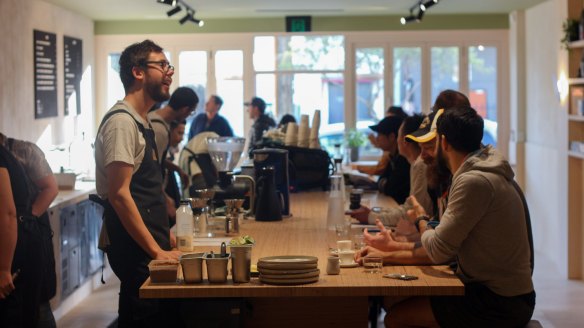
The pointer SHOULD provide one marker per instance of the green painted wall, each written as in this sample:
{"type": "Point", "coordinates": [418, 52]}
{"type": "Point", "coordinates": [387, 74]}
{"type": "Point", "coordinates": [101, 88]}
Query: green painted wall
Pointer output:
{"type": "Point", "coordinates": [319, 24]}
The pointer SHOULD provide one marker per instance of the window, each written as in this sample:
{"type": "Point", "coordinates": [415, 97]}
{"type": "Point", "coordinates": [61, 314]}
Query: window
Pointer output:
{"type": "Point", "coordinates": [407, 79]}
{"type": "Point", "coordinates": [482, 80]}
{"type": "Point", "coordinates": [299, 74]}
{"type": "Point", "coordinates": [445, 66]}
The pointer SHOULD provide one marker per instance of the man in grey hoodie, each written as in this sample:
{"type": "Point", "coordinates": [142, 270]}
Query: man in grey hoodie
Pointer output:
{"type": "Point", "coordinates": [484, 228]}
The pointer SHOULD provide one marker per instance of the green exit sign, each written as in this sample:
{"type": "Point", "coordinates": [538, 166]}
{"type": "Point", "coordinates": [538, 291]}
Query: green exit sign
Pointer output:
{"type": "Point", "coordinates": [298, 24]}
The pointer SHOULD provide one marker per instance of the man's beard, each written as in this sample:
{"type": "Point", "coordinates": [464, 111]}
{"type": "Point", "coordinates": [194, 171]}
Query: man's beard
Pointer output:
{"type": "Point", "coordinates": [156, 92]}
{"type": "Point", "coordinates": [437, 172]}
{"type": "Point", "coordinates": [441, 164]}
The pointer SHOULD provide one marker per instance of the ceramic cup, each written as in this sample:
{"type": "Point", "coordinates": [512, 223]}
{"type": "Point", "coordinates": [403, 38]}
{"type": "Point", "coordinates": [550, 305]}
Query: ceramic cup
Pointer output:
{"type": "Point", "coordinates": [344, 245]}
{"type": "Point", "coordinates": [347, 257]}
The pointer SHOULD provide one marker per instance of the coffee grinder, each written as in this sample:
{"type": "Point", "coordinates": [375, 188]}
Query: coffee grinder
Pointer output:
{"type": "Point", "coordinates": [225, 153]}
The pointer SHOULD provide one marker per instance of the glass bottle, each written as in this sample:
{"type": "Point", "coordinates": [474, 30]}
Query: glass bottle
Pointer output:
{"type": "Point", "coordinates": [184, 227]}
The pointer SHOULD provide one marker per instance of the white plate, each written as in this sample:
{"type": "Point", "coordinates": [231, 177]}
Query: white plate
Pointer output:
{"type": "Point", "coordinates": [350, 265]}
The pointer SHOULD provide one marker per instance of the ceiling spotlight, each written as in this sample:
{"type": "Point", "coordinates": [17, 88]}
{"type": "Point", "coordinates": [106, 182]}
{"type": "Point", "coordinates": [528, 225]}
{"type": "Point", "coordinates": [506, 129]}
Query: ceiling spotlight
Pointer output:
{"type": "Point", "coordinates": [422, 7]}
{"type": "Point", "coordinates": [429, 3]}
{"type": "Point", "coordinates": [185, 19]}
{"type": "Point", "coordinates": [168, 2]}
{"type": "Point", "coordinates": [173, 11]}
{"type": "Point", "coordinates": [408, 19]}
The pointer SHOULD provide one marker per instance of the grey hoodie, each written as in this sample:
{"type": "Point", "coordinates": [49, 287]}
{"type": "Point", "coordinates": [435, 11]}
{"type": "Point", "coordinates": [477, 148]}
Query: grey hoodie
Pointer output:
{"type": "Point", "coordinates": [484, 227]}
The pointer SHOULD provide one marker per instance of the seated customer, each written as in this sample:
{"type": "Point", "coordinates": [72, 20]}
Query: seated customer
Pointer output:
{"type": "Point", "coordinates": [394, 181]}
{"type": "Point", "coordinates": [484, 227]}
{"type": "Point", "coordinates": [287, 118]}
{"type": "Point", "coordinates": [418, 185]}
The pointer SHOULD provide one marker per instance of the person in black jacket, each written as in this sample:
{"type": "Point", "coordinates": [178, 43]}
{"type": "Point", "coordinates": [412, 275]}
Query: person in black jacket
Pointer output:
{"type": "Point", "coordinates": [395, 179]}
{"type": "Point", "coordinates": [211, 120]}
{"type": "Point", "coordinates": [262, 122]}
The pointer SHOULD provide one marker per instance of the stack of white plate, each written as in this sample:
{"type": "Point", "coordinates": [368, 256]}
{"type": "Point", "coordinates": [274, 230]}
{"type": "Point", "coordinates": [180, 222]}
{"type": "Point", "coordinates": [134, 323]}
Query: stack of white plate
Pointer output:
{"type": "Point", "coordinates": [288, 270]}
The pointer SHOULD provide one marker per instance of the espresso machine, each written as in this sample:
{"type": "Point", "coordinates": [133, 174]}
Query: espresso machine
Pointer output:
{"type": "Point", "coordinates": [225, 153]}
{"type": "Point", "coordinates": [278, 160]}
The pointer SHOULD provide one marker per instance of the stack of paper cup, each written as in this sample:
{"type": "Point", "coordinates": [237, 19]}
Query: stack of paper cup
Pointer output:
{"type": "Point", "coordinates": [291, 138]}
{"type": "Point", "coordinates": [303, 132]}
{"type": "Point", "coordinates": [313, 141]}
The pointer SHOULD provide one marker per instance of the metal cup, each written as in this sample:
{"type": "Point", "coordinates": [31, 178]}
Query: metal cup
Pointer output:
{"type": "Point", "coordinates": [240, 263]}
{"type": "Point", "coordinates": [192, 267]}
{"type": "Point", "coordinates": [217, 267]}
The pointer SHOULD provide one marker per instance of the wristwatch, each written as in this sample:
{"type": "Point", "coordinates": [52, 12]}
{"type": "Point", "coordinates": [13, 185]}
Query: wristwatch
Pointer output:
{"type": "Point", "coordinates": [420, 218]}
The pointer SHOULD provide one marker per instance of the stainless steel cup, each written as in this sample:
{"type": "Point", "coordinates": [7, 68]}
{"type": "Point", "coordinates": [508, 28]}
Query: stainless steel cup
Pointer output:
{"type": "Point", "coordinates": [192, 267]}
{"type": "Point", "coordinates": [217, 267]}
{"type": "Point", "coordinates": [241, 263]}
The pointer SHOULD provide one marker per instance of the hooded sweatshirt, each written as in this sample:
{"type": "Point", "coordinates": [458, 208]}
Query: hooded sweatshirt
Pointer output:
{"type": "Point", "coordinates": [484, 227]}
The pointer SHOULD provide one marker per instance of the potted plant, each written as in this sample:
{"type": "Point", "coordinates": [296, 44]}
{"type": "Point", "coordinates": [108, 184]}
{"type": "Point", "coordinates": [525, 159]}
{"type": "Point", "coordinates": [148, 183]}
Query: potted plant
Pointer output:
{"type": "Point", "coordinates": [571, 32]}
{"type": "Point", "coordinates": [355, 139]}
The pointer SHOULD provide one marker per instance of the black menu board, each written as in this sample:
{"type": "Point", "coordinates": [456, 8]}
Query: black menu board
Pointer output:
{"type": "Point", "coordinates": [45, 74]}
{"type": "Point", "coordinates": [73, 50]}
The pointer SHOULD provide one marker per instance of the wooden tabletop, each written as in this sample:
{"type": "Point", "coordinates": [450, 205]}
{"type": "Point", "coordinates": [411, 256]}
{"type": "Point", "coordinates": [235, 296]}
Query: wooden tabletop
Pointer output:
{"type": "Point", "coordinates": [305, 233]}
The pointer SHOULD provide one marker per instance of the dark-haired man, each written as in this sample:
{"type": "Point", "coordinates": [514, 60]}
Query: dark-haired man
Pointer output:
{"type": "Point", "coordinates": [484, 228]}
{"type": "Point", "coordinates": [262, 122]}
{"type": "Point", "coordinates": [395, 179]}
{"type": "Point", "coordinates": [181, 105]}
{"type": "Point", "coordinates": [211, 120]}
{"type": "Point", "coordinates": [129, 181]}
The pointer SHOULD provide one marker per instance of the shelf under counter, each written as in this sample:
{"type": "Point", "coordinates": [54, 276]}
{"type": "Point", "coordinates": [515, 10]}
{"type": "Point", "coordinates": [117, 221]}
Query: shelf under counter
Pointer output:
{"type": "Point", "coordinates": [576, 118]}
{"type": "Point", "coordinates": [576, 44]}
{"type": "Point", "coordinates": [575, 154]}
{"type": "Point", "coordinates": [576, 81]}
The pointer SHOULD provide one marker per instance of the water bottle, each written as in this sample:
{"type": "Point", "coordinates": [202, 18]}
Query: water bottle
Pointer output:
{"type": "Point", "coordinates": [336, 204]}
{"type": "Point", "coordinates": [184, 227]}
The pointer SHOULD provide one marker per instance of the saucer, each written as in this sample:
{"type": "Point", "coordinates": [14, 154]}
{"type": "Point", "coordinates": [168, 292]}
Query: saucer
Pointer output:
{"type": "Point", "coordinates": [350, 265]}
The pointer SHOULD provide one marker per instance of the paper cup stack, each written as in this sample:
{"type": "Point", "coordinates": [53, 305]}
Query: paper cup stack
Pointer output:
{"type": "Point", "coordinates": [303, 132]}
{"type": "Point", "coordinates": [313, 140]}
{"type": "Point", "coordinates": [291, 138]}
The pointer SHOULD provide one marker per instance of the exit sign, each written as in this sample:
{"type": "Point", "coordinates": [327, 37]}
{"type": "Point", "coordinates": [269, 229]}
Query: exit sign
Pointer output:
{"type": "Point", "coordinates": [298, 23]}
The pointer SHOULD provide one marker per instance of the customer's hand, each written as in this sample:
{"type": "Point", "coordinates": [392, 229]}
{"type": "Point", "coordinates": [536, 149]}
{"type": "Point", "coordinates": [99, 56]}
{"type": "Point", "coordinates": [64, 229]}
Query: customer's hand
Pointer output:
{"type": "Point", "coordinates": [416, 211]}
{"type": "Point", "coordinates": [361, 214]}
{"type": "Point", "coordinates": [368, 251]}
{"type": "Point", "coordinates": [6, 283]}
{"type": "Point", "coordinates": [383, 240]}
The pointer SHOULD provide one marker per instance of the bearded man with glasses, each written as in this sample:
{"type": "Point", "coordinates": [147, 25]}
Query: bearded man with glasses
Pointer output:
{"type": "Point", "coordinates": [129, 184]}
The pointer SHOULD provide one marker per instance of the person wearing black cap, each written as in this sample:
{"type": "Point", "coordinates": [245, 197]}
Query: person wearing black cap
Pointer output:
{"type": "Point", "coordinates": [262, 122]}
{"type": "Point", "coordinates": [395, 180]}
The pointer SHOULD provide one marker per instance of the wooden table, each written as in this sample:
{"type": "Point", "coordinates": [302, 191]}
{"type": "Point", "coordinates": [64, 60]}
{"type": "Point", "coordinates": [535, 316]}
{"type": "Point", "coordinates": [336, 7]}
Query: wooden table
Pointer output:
{"type": "Point", "coordinates": [342, 298]}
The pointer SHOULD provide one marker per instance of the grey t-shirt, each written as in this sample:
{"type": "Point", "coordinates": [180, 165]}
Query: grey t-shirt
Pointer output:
{"type": "Point", "coordinates": [161, 131]}
{"type": "Point", "coordinates": [119, 140]}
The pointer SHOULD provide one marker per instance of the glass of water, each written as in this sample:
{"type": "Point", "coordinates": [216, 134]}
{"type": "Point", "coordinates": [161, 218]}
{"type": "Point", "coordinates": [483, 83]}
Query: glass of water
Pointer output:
{"type": "Point", "coordinates": [372, 264]}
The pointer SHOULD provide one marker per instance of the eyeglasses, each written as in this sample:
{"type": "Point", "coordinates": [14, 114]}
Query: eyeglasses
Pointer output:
{"type": "Point", "coordinates": [164, 65]}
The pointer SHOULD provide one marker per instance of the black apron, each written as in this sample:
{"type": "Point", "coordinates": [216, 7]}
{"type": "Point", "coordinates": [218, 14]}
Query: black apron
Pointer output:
{"type": "Point", "coordinates": [21, 307]}
{"type": "Point", "coordinates": [127, 259]}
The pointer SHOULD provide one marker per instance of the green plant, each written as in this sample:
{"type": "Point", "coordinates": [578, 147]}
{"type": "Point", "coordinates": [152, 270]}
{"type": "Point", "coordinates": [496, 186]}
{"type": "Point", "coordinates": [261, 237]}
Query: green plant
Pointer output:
{"type": "Point", "coordinates": [355, 138]}
{"type": "Point", "coordinates": [570, 28]}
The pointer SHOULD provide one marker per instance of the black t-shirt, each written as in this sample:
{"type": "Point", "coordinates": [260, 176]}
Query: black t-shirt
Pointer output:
{"type": "Point", "coordinates": [395, 180]}
{"type": "Point", "coordinates": [18, 181]}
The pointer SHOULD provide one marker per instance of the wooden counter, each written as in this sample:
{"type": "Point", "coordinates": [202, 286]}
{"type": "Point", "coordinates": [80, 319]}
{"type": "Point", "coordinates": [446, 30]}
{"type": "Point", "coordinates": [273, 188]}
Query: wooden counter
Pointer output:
{"type": "Point", "coordinates": [305, 233]}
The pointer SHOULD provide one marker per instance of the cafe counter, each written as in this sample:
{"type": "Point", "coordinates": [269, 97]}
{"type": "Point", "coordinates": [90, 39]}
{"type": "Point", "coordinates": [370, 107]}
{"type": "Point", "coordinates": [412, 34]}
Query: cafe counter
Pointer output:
{"type": "Point", "coordinates": [342, 298]}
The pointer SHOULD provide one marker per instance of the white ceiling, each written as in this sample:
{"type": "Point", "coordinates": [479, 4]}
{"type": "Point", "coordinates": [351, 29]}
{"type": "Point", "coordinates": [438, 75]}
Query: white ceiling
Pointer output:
{"type": "Point", "coordinates": [150, 9]}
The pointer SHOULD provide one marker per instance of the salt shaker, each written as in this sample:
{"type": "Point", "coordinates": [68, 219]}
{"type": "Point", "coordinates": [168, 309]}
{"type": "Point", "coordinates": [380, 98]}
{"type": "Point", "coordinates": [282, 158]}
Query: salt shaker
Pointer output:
{"type": "Point", "coordinates": [333, 265]}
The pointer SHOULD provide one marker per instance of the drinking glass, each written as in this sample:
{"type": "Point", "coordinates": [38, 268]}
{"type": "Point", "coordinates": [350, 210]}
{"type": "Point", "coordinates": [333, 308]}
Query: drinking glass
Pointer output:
{"type": "Point", "coordinates": [372, 264]}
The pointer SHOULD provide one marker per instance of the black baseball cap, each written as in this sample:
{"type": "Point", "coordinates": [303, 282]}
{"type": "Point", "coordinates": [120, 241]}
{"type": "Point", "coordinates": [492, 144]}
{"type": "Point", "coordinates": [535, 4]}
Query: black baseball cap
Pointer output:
{"type": "Point", "coordinates": [388, 125]}
{"type": "Point", "coordinates": [257, 102]}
